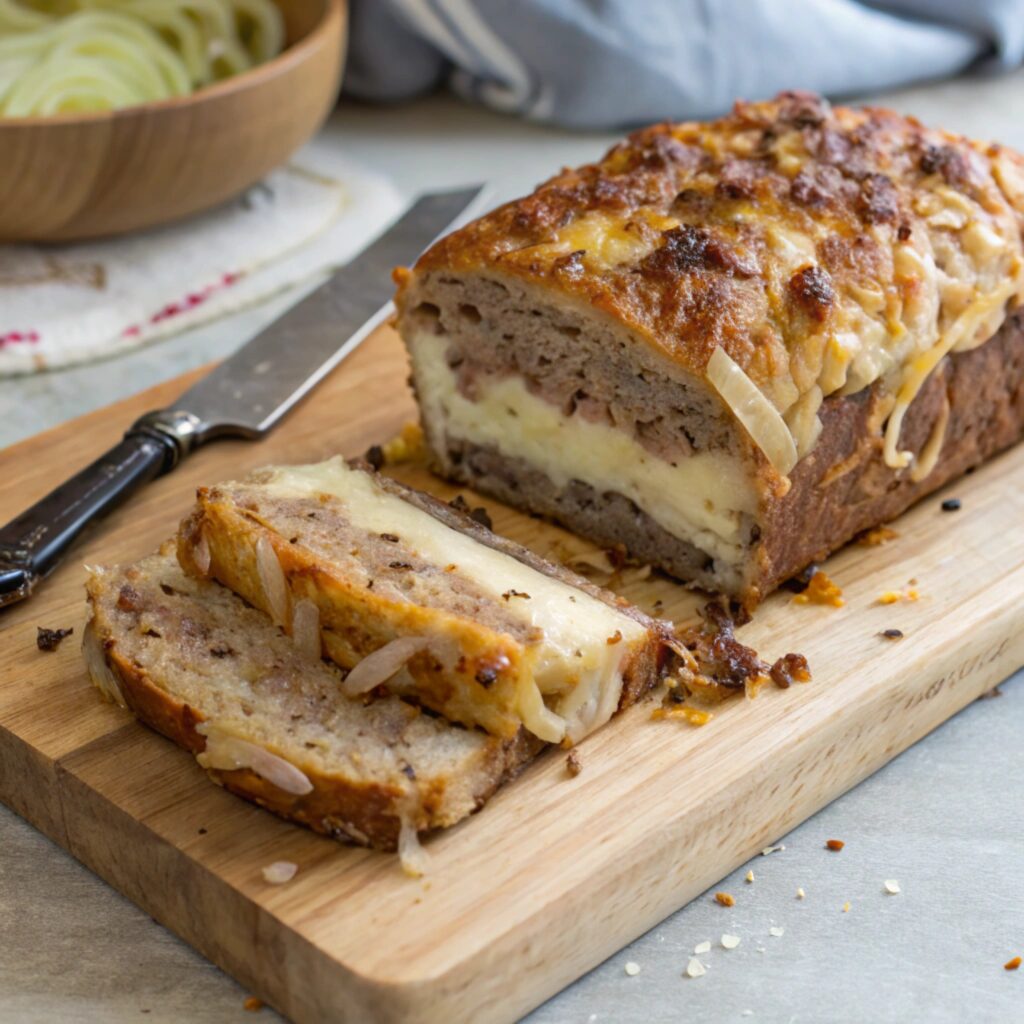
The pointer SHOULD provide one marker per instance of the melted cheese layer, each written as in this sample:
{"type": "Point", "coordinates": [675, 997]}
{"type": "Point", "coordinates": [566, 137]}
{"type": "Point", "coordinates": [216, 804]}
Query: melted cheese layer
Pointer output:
{"type": "Point", "coordinates": [577, 678]}
{"type": "Point", "coordinates": [701, 499]}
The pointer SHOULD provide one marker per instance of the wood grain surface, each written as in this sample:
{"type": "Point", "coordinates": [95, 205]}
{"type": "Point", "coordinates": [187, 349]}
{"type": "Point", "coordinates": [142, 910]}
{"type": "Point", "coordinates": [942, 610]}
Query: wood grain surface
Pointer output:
{"type": "Point", "coordinates": [557, 872]}
{"type": "Point", "coordinates": [80, 176]}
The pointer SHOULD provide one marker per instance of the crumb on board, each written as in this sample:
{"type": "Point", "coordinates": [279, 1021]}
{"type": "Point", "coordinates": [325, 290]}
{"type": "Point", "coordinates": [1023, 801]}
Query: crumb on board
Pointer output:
{"type": "Point", "coordinates": [789, 669]}
{"type": "Point", "coordinates": [821, 590]}
{"type": "Point", "coordinates": [632, 968]}
{"type": "Point", "coordinates": [50, 639]}
{"type": "Point", "coordinates": [891, 634]}
{"type": "Point", "coordinates": [951, 505]}
{"type": "Point", "coordinates": [1012, 965]}
{"type": "Point", "coordinates": [908, 593]}
{"type": "Point", "coordinates": [725, 899]}
{"type": "Point", "coordinates": [892, 887]}
{"type": "Point", "coordinates": [573, 763]}
{"type": "Point", "coordinates": [695, 716]}
{"type": "Point", "coordinates": [252, 1004]}
{"type": "Point", "coordinates": [876, 536]}
{"type": "Point", "coordinates": [405, 446]}
{"type": "Point", "coordinates": [835, 845]}
{"type": "Point", "coordinates": [989, 694]}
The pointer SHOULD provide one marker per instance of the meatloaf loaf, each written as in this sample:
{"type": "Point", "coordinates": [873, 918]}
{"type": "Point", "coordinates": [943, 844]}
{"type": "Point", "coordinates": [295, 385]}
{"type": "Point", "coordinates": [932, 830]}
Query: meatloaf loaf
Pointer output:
{"type": "Point", "coordinates": [731, 346]}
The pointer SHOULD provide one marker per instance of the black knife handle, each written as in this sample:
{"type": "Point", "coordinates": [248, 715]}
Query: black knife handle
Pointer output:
{"type": "Point", "coordinates": [32, 545]}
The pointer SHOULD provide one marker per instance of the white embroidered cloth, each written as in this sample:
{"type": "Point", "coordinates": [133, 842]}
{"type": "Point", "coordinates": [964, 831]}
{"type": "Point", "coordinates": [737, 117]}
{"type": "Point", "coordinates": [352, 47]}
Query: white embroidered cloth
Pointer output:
{"type": "Point", "coordinates": [68, 304]}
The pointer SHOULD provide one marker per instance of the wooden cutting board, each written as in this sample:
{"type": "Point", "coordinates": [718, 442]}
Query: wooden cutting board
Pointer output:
{"type": "Point", "coordinates": [557, 872]}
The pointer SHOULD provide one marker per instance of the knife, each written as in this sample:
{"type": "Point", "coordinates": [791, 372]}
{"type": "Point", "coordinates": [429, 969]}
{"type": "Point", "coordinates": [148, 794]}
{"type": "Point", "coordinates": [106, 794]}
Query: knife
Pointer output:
{"type": "Point", "coordinates": [244, 397]}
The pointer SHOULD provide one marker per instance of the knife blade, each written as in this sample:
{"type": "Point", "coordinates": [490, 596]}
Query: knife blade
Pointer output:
{"type": "Point", "coordinates": [244, 397]}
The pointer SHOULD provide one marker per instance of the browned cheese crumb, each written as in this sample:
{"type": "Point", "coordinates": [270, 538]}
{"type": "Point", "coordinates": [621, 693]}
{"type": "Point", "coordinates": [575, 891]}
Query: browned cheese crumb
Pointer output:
{"type": "Point", "coordinates": [879, 535]}
{"type": "Point", "coordinates": [1012, 965]}
{"type": "Point", "coordinates": [835, 845]}
{"type": "Point", "coordinates": [49, 639]}
{"type": "Point", "coordinates": [789, 669]}
{"type": "Point", "coordinates": [821, 590]}
{"type": "Point", "coordinates": [252, 1004]}
{"type": "Point", "coordinates": [573, 762]}
{"type": "Point", "coordinates": [725, 899]}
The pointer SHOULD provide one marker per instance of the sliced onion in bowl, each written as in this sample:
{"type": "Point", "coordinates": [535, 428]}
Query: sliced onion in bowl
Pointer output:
{"type": "Point", "coordinates": [762, 421]}
{"type": "Point", "coordinates": [275, 587]}
{"type": "Point", "coordinates": [382, 664]}
{"type": "Point", "coordinates": [306, 627]}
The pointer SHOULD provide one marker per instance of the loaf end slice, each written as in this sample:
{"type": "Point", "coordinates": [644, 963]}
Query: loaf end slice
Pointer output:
{"type": "Point", "coordinates": [194, 662]}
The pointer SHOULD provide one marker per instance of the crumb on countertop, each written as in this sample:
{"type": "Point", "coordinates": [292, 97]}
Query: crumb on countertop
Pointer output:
{"type": "Point", "coordinates": [695, 969]}
{"type": "Point", "coordinates": [1012, 965]}
{"type": "Point", "coordinates": [835, 845]}
{"type": "Point", "coordinates": [252, 1004]}
{"type": "Point", "coordinates": [892, 887]}
{"type": "Point", "coordinates": [725, 899]}
{"type": "Point", "coordinates": [749, 876]}
{"type": "Point", "coordinates": [846, 907]}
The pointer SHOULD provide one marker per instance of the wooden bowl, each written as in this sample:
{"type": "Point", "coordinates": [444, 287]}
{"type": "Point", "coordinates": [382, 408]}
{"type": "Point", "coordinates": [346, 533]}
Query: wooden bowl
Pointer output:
{"type": "Point", "coordinates": [85, 175]}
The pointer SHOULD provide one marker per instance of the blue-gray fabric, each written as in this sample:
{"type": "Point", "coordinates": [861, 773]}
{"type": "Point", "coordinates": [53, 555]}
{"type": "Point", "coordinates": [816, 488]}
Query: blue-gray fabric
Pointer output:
{"type": "Point", "coordinates": [612, 63]}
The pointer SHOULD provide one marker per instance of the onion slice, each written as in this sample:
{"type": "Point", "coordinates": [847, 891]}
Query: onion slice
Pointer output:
{"type": "Point", "coordinates": [306, 627]}
{"type": "Point", "coordinates": [100, 672]}
{"type": "Point", "coordinates": [414, 858]}
{"type": "Point", "coordinates": [280, 871]}
{"type": "Point", "coordinates": [201, 554]}
{"type": "Point", "coordinates": [762, 421]}
{"type": "Point", "coordinates": [275, 587]}
{"type": "Point", "coordinates": [381, 665]}
{"type": "Point", "coordinates": [225, 752]}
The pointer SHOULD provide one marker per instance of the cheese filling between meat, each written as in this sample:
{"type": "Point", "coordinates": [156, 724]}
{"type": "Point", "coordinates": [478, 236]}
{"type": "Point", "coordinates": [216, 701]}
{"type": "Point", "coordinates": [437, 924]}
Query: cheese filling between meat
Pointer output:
{"type": "Point", "coordinates": [577, 670]}
{"type": "Point", "coordinates": [702, 498]}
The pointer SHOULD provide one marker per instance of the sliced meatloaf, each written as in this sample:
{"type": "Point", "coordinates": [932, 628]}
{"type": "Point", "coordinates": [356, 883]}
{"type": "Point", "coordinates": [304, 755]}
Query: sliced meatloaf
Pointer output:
{"type": "Point", "coordinates": [731, 345]}
{"type": "Point", "coordinates": [270, 723]}
{"type": "Point", "coordinates": [414, 597]}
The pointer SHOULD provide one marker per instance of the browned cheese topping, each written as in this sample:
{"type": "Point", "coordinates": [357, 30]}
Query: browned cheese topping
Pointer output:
{"type": "Point", "coordinates": [812, 250]}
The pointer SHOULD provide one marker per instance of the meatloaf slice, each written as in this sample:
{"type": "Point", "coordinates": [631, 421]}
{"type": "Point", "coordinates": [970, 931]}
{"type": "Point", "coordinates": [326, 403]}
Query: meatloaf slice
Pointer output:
{"type": "Point", "coordinates": [414, 597]}
{"type": "Point", "coordinates": [730, 346]}
{"type": "Point", "coordinates": [269, 723]}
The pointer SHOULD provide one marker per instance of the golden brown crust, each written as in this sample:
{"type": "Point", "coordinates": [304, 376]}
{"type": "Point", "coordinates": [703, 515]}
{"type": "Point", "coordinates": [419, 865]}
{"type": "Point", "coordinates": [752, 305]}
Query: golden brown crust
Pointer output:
{"type": "Point", "coordinates": [833, 174]}
{"type": "Point", "coordinates": [821, 249]}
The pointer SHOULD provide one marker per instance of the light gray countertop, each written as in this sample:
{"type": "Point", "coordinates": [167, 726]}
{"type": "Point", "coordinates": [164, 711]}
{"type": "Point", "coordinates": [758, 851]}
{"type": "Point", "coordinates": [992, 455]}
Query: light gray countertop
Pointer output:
{"type": "Point", "coordinates": [946, 819]}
